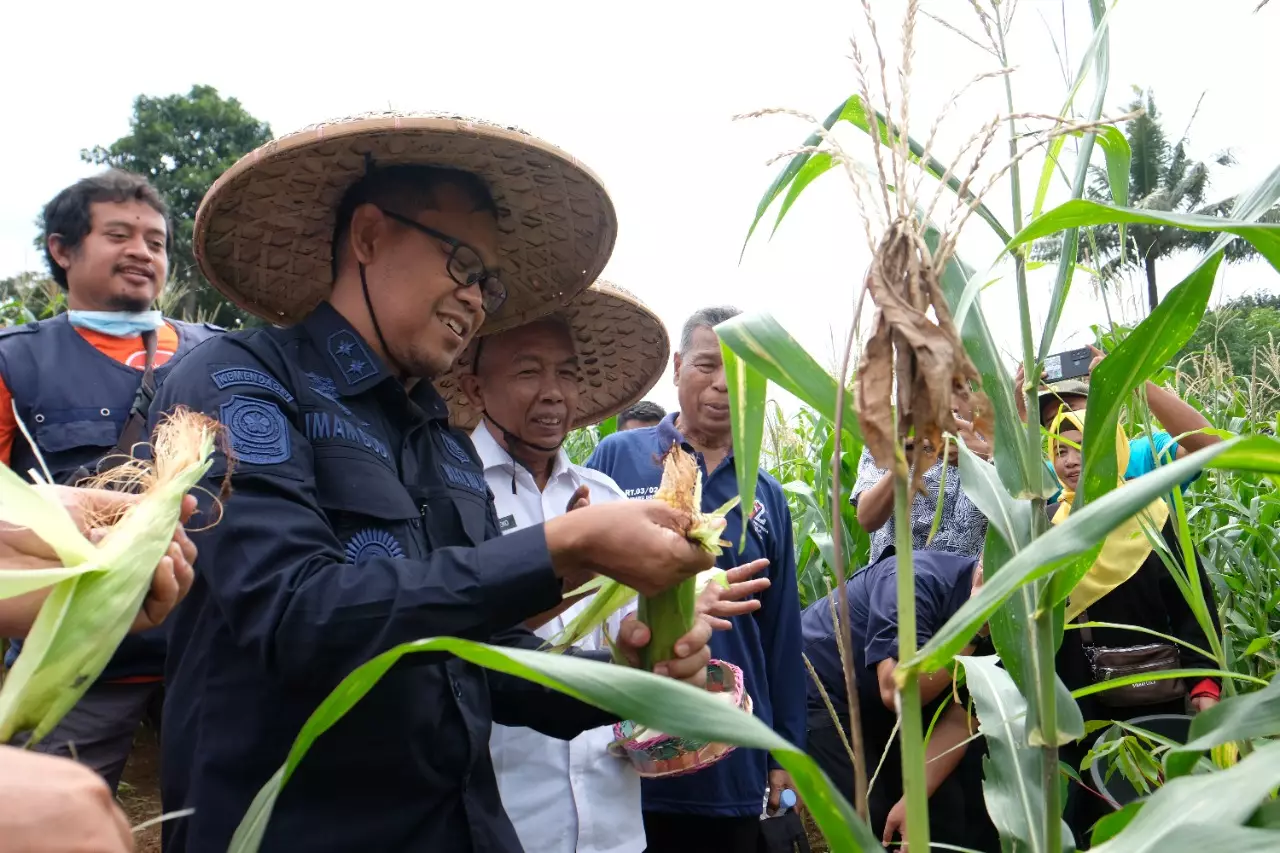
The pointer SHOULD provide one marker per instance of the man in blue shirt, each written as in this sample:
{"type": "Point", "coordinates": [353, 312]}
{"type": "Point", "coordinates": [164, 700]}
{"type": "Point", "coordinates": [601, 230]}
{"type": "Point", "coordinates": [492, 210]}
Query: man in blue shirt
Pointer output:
{"type": "Point", "coordinates": [953, 774]}
{"type": "Point", "coordinates": [718, 808]}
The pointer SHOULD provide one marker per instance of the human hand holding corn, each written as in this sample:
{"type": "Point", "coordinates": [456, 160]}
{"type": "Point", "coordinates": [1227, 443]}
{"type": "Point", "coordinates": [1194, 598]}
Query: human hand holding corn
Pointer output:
{"type": "Point", "coordinates": [20, 548]}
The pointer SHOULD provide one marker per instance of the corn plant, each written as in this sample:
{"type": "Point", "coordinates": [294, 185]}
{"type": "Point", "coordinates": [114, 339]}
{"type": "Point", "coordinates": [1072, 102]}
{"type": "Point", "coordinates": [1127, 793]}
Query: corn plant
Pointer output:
{"type": "Point", "coordinates": [1030, 570]}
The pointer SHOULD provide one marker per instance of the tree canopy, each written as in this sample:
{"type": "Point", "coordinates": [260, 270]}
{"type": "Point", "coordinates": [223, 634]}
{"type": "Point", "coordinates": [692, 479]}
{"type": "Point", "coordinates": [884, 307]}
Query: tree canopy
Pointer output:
{"type": "Point", "coordinates": [1237, 328]}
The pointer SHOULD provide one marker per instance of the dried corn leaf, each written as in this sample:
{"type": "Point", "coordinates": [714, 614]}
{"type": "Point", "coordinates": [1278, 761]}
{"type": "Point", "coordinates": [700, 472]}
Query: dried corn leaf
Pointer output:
{"type": "Point", "coordinates": [922, 353]}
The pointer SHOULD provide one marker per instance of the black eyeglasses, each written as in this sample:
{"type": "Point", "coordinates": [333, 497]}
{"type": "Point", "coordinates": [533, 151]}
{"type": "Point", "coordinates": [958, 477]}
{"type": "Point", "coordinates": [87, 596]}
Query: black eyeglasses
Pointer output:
{"type": "Point", "coordinates": [464, 265]}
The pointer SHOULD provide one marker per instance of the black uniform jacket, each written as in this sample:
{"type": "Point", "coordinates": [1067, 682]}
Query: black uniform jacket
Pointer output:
{"type": "Point", "coordinates": [357, 520]}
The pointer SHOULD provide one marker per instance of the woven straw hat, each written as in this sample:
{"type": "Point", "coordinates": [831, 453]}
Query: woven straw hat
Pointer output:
{"type": "Point", "coordinates": [622, 350]}
{"type": "Point", "coordinates": [264, 232]}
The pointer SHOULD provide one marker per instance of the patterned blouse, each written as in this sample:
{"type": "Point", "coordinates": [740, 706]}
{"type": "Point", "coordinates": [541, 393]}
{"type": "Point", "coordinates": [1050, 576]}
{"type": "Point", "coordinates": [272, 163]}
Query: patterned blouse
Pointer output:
{"type": "Point", "coordinates": [962, 530]}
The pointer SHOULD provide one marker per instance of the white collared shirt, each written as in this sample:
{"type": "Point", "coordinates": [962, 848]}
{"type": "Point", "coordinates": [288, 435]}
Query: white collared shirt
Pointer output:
{"type": "Point", "coordinates": [562, 796]}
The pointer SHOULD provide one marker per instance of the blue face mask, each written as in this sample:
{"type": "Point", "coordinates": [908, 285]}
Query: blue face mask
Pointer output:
{"type": "Point", "coordinates": [117, 324]}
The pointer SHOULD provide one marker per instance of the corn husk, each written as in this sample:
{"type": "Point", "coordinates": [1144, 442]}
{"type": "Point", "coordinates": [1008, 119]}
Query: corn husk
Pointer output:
{"type": "Point", "coordinates": [98, 592]}
{"type": "Point", "coordinates": [669, 614]}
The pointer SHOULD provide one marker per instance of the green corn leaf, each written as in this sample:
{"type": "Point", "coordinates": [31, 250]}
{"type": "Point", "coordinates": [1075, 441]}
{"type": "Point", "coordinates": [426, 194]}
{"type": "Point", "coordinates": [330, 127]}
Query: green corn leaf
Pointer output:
{"type": "Point", "coordinates": [817, 165]}
{"type": "Point", "coordinates": [1096, 53]}
{"type": "Point", "coordinates": [1161, 675]}
{"type": "Point", "coordinates": [761, 342]}
{"type": "Point", "coordinates": [1009, 531]}
{"type": "Point", "coordinates": [1085, 528]}
{"type": "Point", "coordinates": [1013, 781]}
{"type": "Point", "coordinates": [1251, 205]}
{"type": "Point", "coordinates": [1010, 518]}
{"type": "Point", "coordinates": [1118, 156]}
{"type": "Point", "coordinates": [1150, 345]}
{"type": "Point", "coordinates": [38, 510]}
{"type": "Point", "coordinates": [1109, 826]}
{"type": "Point", "coordinates": [609, 598]}
{"type": "Point", "coordinates": [1071, 236]}
{"type": "Point", "coordinates": [1168, 638]}
{"type": "Point", "coordinates": [1192, 813]}
{"type": "Point", "coordinates": [659, 703]}
{"type": "Point", "coordinates": [1022, 477]}
{"type": "Point", "coordinates": [1080, 213]}
{"type": "Point", "coordinates": [853, 111]}
{"type": "Point", "coordinates": [1237, 718]}
{"type": "Point", "coordinates": [747, 391]}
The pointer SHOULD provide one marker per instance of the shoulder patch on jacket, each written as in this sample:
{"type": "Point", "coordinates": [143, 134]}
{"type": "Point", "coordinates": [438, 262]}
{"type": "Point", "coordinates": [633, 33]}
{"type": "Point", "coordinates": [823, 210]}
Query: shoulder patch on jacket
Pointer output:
{"type": "Point", "coordinates": [229, 376]}
{"type": "Point", "coordinates": [258, 430]}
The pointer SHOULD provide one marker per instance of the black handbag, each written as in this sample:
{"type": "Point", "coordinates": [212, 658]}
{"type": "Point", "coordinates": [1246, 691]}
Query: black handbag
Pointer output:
{"type": "Point", "coordinates": [1108, 663]}
{"type": "Point", "coordinates": [783, 834]}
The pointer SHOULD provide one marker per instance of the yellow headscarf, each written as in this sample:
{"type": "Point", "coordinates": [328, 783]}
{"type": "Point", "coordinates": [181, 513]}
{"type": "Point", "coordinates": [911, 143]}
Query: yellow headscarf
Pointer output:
{"type": "Point", "coordinates": [1125, 548]}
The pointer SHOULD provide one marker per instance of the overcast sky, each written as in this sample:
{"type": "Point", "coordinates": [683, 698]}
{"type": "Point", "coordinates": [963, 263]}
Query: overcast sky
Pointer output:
{"type": "Point", "coordinates": [644, 94]}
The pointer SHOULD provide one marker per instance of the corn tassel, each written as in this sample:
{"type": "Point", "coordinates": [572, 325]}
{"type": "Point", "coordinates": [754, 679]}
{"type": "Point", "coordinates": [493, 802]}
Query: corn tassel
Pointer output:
{"type": "Point", "coordinates": [97, 595]}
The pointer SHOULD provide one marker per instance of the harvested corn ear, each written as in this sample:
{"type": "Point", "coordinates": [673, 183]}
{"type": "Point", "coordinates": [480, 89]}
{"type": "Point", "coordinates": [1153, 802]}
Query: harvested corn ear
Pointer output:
{"type": "Point", "coordinates": [669, 614]}
{"type": "Point", "coordinates": [98, 592]}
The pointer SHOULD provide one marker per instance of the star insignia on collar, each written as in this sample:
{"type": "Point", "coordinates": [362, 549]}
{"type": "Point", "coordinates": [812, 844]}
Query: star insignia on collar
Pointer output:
{"type": "Point", "coordinates": [356, 367]}
{"type": "Point", "coordinates": [345, 348]}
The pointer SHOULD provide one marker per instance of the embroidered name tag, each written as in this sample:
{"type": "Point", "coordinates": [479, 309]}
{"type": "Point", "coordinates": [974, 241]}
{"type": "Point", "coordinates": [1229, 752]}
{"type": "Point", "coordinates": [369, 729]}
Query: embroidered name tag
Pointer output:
{"type": "Point", "coordinates": [464, 479]}
{"type": "Point", "coordinates": [325, 426]}
{"type": "Point", "coordinates": [507, 522]}
{"type": "Point", "coordinates": [258, 430]}
{"type": "Point", "coordinates": [247, 376]}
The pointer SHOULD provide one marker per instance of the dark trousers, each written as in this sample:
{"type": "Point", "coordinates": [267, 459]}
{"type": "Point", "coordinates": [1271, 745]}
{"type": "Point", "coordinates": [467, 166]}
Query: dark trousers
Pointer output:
{"type": "Point", "coordinates": [98, 732]}
{"type": "Point", "coordinates": [690, 833]}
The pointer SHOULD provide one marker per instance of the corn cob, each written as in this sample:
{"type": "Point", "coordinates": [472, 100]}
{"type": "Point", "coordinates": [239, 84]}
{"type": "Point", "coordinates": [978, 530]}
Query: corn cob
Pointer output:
{"type": "Point", "coordinates": [91, 608]}
{"type": "Point", "coordinates": [669, 614]}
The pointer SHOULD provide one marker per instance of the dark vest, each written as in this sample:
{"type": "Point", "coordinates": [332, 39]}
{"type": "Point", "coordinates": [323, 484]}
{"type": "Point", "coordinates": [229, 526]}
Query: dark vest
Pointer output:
{"type": "Point", "coordinates": [74, 400]}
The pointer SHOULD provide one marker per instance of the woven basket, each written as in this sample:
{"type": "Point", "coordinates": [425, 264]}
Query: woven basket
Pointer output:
{"type": "Point", "coordinates": [659, 756]}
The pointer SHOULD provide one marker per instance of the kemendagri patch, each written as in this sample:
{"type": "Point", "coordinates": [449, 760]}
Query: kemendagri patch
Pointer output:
{"type": "Point", "coordinates": [372, 542]}
{"type": "Point", "coordinates": [259, 433]}
{"type": "Point", "coordinates": [247, 376]}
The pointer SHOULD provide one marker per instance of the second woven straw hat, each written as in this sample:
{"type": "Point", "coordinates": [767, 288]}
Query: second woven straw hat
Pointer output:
{"type": "Point", "coordinates": [264, 232]}
{"type": "Point", "coordinates": [622, 350]}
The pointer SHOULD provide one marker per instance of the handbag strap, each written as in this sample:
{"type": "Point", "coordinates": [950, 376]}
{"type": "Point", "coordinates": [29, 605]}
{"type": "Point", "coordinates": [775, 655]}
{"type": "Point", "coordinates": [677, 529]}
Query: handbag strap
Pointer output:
{"type": "Point", "coordinates": [1086, 633]}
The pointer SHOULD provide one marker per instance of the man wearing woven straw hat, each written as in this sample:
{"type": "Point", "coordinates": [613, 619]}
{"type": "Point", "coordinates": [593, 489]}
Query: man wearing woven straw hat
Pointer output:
{"type": "Point", "coordinates": [523, 389]}
{"type": "Point", "coordinates": [357, 518]}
